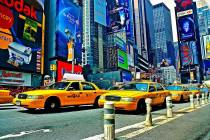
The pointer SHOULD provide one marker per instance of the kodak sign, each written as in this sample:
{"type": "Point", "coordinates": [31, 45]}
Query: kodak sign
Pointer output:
{"type": "Point", "coordinates": [21, 7]}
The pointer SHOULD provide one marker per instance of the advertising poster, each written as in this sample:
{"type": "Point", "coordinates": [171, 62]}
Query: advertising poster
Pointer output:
{"type": "Point", "coordinates": [64, 67]}
{"type": "Point", "coordinates": [14, 78]}
{"type": "Point", "coordinates": [100, 12]}
{"type": "Point", "coordinates": [30, 30]}
{"type": "Point", "coordinates": [182, 5]}
{"type": "Point", "coordinates": [189, 53]}
{"type": "Point", "coordinates": [122, 60]}
{"type": "Point", "coordinates": [69, 28]}
{"type": "Point", "coordinates": [186, 28]}
{"type": "Point", "coordinates": [118, 16]}
{"type": "Point", "coordinates": [20, 36]}
{"type": "Point", "coordinates": [207, 46]}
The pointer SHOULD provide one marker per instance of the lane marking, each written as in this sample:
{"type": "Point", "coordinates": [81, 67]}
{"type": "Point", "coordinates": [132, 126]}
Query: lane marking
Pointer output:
{"type": "Point", "coordinates": [24, 133]}
{"type": "Point", "coordinates": [141, 124]}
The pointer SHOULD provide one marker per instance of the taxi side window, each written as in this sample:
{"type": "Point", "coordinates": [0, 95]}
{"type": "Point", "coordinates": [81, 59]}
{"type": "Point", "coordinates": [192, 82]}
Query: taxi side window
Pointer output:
{"type": "Point", "coordinates": [74, 86]}
{"type": "Point", "coordinates": [87, 86]}
{"type": "Point", "coordinates": [152, 88]}
{"type": "Point", "coordinates": [159, 87]}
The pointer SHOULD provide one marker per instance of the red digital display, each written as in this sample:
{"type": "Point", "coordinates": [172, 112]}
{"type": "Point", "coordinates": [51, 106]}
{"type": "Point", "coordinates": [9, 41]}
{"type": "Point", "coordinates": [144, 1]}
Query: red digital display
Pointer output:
{"type": "Point", "coordinates": [64, 67]}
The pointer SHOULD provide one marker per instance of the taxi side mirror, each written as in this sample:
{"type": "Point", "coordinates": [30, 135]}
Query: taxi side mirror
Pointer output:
{"type": "Point", "coordinates": [151, 89]}
{"type": "Point", "coordinates": [70, 89]}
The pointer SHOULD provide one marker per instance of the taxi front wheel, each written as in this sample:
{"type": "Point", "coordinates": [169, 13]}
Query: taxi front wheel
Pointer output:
{"type": "Point", "coordinates": [52, 104]}
{"type": "Point", "coordinates": [141, 107]}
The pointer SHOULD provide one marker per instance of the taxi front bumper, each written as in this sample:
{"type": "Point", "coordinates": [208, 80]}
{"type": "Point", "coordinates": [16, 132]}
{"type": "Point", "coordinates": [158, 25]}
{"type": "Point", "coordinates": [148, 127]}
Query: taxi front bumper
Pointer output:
{"type": "Point", "coordinates": [29, 103]}
{"type": "Point", "coordinates": [119, 105]}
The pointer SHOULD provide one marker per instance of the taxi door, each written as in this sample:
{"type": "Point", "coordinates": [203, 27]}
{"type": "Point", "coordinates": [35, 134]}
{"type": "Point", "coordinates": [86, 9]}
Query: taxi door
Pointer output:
{"type": "Point", "coordinates": [152, 94]}
{"type": "Point", "coordinates": [161, 93]}
{"type": "Point", "coordinates": [74, 94]}
{"type": "Point", "coordinates": [89, 93]}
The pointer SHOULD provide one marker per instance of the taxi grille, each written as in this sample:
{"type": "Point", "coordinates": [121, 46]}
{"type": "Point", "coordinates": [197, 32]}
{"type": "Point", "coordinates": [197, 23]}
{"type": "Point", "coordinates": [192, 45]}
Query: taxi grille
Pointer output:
{"type": "Point", "coordinates": [112, 98]}
{"type": "Point", "coordinates": [22, 96]}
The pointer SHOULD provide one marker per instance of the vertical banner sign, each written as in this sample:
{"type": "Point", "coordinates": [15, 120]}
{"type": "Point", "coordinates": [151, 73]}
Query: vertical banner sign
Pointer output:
{"type": "Point", "coordinates": [207, 46]}
{"type": "Point", "coordinates": [70, 51]}
{"type": "Point", "coordinates": [30, 30]}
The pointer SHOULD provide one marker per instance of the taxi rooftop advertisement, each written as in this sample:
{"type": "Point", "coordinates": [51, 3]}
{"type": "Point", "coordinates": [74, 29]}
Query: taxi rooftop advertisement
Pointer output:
{"type": "Point", "coordinates": [20, 35]}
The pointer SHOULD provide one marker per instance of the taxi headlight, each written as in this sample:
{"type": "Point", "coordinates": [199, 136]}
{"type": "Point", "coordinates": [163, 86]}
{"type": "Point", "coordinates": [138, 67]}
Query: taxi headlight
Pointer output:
{"type": "Point", "coordinates": [128, 99]}
{"type": "Point", "coordinates": [102, 97]}
{"type": "Point", "coordinates": [35, 97]}
{"type": "Point", "coordinates": [175, 95]}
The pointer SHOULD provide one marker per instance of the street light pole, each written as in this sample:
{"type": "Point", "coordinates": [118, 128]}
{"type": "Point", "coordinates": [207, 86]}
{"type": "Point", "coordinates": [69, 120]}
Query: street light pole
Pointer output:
{"type": "Point", "coordinates": [72, 62]}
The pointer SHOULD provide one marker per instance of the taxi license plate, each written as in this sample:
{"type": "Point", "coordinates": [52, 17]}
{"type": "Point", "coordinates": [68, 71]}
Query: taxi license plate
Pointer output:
{"type": "Point", "coordinates": [18, 103]}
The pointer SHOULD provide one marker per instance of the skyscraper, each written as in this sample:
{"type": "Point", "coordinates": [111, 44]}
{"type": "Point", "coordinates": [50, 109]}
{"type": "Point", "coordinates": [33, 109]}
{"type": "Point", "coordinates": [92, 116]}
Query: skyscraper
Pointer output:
{"type": "Point", "coordinates": [143, 29]}
{"type": "Point", "coordinates": [93, 34]}
{"type": "Point", "coordinates": [163, 31]}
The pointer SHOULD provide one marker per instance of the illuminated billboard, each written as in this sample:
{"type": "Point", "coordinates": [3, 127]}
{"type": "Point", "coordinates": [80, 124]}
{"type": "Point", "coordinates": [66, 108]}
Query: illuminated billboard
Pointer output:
{"type": "Point", "coordinates": [100, 12]}
{"type": "Point", "coordinates": [206, 40]}
{"type": "Point", "coordinates": [189, 53]}
{"type": "Point", "coordinates": [122, 60]}
{"type": "Point", "coordinates": [20, 36]}
{"type": "Point", "coordinates": [69, 28]}
{"type": "Point", "coordinates": [64, 67]}
{"type": "Point", "coordinates": [186, 28]}
{"type": "Point", "coordinates": [182, 5]}
{"type": "Point", "coordinates": [118, 16]}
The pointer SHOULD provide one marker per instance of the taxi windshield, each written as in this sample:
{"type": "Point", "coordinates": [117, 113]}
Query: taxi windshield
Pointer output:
{"type": "Point", "coordinates": [174, 88]}
{"type": "Point", "coordinates": [135, 86]}
{"type": "Point", "coordinates": [193, 88]}
{"type": "Point", "coordinates": [59, 85]}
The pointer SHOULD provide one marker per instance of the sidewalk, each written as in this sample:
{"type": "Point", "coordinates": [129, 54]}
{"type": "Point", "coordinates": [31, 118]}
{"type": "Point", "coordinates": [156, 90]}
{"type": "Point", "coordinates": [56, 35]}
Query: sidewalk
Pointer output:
{"type": "Point", "coordinates": [186, 125]}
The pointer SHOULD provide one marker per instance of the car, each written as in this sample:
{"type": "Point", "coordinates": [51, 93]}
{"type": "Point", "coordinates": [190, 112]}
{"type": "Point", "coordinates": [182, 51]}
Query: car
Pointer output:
{"type": "Point", "coordinates": [194, 90]}
{"type": "Point", "coordinates": [60, 94]}
{"type": "Point", "coordinates": [179, 93]}
{"type": "Point", "coordinates": [131, 96]}
{"type": "Point", "coordinates": [5, 96]}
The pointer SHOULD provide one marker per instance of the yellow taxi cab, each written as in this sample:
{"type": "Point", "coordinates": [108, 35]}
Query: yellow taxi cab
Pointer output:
{"type": "Point", "coordinates": [194, 90]}
{"type": "Point", "coordinates": [60, 94]}
{"type": "Point", "coordinates": [5, 97]}
{"type": "Point", "coordinates": [179, 93]}
{"type": "Point", "coordinates": [131, 97]}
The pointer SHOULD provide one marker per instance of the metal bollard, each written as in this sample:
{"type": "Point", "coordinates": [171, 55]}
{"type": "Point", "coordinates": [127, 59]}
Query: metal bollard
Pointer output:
{"type": "Point", "coordinates": [209, 97]}
{"type": "Point", "coordinates": [148, 121]}
{"type": "Point", "coordinates": [198, 100]}
{"type": "Point", "coordinates": [169, 105]}
{"type": "Point", "coordinates": [109, 121]}
{"type": "Point", "coordinates": [203, 99]}
{"type": "Point", "coordinates": [192, 103]}
{"type": "Point", "coordinates": [206, 98]}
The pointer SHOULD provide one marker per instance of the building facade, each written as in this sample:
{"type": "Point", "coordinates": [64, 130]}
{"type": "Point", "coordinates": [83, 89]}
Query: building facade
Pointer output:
{"type": "Point", "coordinates": [162, 31]}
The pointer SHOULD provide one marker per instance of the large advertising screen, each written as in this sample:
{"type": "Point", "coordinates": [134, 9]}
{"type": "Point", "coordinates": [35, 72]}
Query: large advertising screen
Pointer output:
{"type": "Point", "coordinates": [186, 28]}
{"type": "Point", "coordinates": [118, 18]}
{"type": "Point", "coordinates": [15, 78]}
{"type": "Point", "coordinates": [20, 36]}
{"type": "Point", "coordinates": [189, 53]}
{"type": "Point", "coordinates": [64, 67]}
{"type": "Point", "coordinates": [182, 5]}
{"type": "Point", "coordinates": [122, 60]}
{"type": "Point", "coordinates": [100, 12]}
{"type": "Point", "coordinates": [206, 40]}
{"type": "Point", "coordinates": [69, 28]}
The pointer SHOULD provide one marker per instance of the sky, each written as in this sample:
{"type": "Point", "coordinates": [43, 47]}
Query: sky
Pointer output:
{"type": "Point", "coordinates": [171, 4]}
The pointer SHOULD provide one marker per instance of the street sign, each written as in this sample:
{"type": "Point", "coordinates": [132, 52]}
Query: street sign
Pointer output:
{"type": "Point", "coordinates": [53, 67]}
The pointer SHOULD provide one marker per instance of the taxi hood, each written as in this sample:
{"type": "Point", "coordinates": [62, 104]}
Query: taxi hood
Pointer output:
{"type": "Point", "coordinates": [125, 93]}
{"type": "Point", "coordinates": [43, 92]}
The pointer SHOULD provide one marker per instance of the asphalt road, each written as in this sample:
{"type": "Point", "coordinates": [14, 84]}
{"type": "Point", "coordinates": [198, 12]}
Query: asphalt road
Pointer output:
{"type": "Point", "coordinates": [69, 123]}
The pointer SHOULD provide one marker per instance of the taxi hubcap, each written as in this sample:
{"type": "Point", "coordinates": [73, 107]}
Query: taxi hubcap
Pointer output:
{"type": "Point", "coordinates": [52, 105]}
